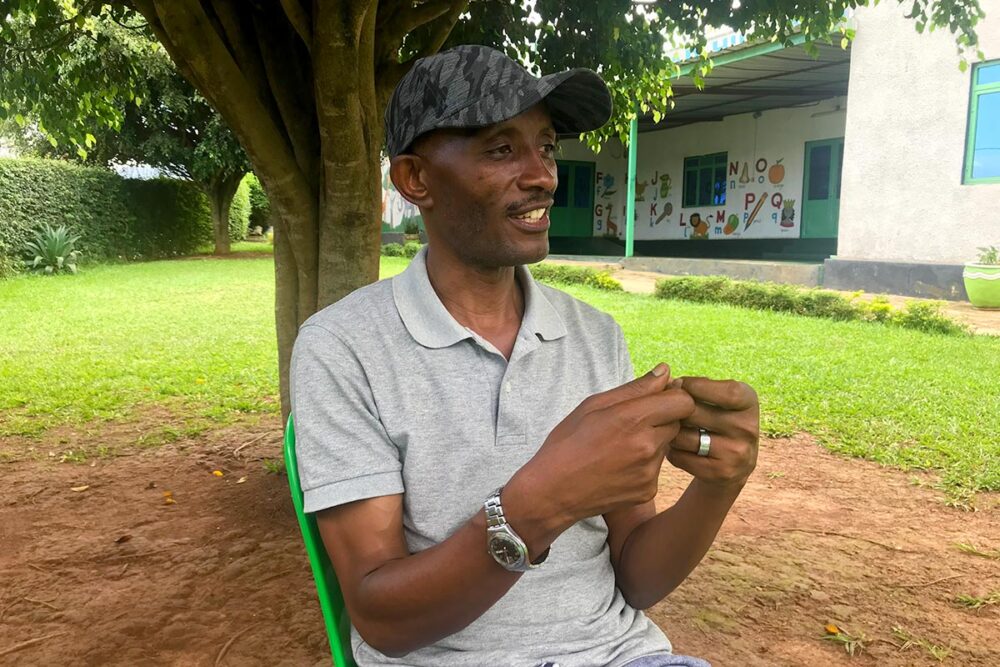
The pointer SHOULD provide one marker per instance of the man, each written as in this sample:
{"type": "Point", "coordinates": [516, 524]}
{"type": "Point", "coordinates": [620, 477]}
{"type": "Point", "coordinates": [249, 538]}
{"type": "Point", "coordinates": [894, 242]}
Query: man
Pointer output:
{"type": "Point", "coordinates": [462, 379]}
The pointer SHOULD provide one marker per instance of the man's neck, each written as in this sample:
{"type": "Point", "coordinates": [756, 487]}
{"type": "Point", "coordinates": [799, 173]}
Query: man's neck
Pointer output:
{"type": "Point", "coordinates": [490, 301]}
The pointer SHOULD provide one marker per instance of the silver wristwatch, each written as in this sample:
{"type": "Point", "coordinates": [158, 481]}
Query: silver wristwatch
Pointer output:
{"type": "Point", "coordinates": [506, 546]}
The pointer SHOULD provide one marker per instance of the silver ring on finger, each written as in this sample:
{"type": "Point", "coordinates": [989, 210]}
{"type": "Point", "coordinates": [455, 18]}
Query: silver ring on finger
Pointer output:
{"type": "Point", "coordinates": [704, 442]}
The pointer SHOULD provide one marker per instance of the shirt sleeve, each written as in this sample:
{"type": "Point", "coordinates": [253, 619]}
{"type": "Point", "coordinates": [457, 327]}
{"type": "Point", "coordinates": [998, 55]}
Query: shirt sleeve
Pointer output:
{"type": "Point", "coordinates": [625, 371]}
{"type": "Point", "coordinates": [344, 453]}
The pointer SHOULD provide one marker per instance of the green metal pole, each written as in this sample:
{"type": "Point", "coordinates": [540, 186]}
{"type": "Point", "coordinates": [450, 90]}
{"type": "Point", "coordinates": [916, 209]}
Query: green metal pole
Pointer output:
{"type": "Point", "coordinates": [633, 135]}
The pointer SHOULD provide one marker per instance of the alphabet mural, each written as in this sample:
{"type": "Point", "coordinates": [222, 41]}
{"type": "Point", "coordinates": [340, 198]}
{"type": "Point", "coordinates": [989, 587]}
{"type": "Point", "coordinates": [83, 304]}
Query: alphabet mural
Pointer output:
{"type": "Point", "coordinates": [766, 213]}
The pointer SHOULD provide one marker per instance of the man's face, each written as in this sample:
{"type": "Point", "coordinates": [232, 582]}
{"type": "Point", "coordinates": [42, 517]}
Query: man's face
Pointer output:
{"type": "Point", "coordinates": [491, 190]}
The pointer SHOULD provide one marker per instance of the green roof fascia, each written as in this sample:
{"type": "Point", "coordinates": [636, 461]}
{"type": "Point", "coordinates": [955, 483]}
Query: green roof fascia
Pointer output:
{"type": "Point", "coordinates": [760, 50]}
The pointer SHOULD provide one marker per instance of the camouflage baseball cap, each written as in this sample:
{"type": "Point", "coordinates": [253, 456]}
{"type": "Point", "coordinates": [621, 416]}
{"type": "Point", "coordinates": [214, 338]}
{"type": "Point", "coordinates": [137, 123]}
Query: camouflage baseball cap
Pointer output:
{"type": "Point", "coordinates": [475, 86]}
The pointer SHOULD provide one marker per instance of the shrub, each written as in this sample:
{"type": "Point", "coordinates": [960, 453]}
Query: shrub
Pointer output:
{"type": "Point", "coordinates": [411, 248]}
{"type": "Point", "coordinates": [116, 218]}
{"type": "Point", "coordinates": [392, 250]}
{"type": "Point", "coordinates": [260, 205]}
{"type": "Point", "coordinates": [411, 227]}
{"type": "Point", "coordinates": [575, 275]}
{"type": "Point", "coordinates": [239, 212]}
{"type": "Point", "coordinates": [812, 302]}
{"type": "Point", "coordinates": [926, 316]}
{"type": "Point", "coordinates": [51, 251]}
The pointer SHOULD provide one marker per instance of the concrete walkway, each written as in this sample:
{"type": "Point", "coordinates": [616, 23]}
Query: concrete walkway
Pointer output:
{"type": "Point", "coordinates": [981, 321]}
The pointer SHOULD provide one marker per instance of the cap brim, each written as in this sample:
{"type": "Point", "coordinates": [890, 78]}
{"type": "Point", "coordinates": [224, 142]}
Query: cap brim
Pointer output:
{"type": "Point", "coordinates": [578, 100]}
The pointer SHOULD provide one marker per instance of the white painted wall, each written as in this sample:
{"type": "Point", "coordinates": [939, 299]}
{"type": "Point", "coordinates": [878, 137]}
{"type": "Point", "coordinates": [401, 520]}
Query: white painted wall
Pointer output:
{"type": "Point", "coordinates": [753, 145]}
{"type": "Point", "coordinates": [903, 197]}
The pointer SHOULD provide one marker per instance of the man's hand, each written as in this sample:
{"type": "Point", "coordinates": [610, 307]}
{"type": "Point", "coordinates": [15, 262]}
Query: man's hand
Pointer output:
{"type": "Point", "coordinates": [605, 455]}
{"type": "Point", "coordinates": [730, 412]}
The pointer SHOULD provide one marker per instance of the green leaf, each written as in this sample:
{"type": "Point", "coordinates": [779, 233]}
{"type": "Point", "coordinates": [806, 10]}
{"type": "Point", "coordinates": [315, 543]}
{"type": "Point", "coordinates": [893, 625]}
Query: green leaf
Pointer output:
{"type": "Point", "coordinates": [844, 43]}
{"type": "Point", "coordinates": [19, 119]}
{"type": "Point", "coordinates": [963, 65]}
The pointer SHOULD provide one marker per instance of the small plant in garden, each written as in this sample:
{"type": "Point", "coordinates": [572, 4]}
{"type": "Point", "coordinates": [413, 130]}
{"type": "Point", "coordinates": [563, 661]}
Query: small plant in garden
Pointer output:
{"type": "Point", "coordinates": [993, 554]}
{"type": "Point", "coordinates": [52, 251]}
{"type": "Point", "coordinates": [274, 467]}
{"type": "Point", "coordinates": [978, 602]}
{"type": "Point", "coordinates": [989, 255]}
{"type": "Point", "coordinates": [938, 652]}
{"type": "Point", "coordinates": [411, 228]}
{"type": "Point", "coordinates": [851, 644]}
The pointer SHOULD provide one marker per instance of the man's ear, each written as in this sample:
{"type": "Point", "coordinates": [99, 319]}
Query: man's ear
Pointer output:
{"type": "Point", "coordinates": [409, 176]}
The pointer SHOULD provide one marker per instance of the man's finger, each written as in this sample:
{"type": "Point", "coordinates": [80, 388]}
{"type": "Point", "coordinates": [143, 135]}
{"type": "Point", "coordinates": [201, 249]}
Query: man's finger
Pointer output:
{"type": "Point", "coordinates": [689, 440]}
{"type": "Point", "coordinates": [727, 394]}
{"type": "Point", "coordinates": [655, 381]}
{"type": "Point", "coordinates": [657, 409]}
{"type": "Point", "coordinates": [718, 420]}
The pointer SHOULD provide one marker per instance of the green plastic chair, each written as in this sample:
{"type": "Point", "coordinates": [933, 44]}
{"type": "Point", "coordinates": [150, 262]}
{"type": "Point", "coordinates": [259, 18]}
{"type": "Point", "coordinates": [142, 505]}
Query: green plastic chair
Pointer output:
{"type": "Point", "coordinates": [331, 600]}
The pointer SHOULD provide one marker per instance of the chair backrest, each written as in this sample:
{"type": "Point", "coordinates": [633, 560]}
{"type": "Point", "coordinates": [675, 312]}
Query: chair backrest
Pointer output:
{"type": "Point", "coordinates": [331, 601]}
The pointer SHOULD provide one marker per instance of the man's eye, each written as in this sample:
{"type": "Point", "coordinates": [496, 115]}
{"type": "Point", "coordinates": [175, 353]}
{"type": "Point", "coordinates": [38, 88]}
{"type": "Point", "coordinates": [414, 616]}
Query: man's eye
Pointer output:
{"type": "Point", "coordinates": [500, 150]}
{"type": "Point", "coordinates": [550, 149]}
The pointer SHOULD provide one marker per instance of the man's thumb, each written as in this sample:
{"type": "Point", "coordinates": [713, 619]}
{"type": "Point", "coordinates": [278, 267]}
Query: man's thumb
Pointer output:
{"type": "Point", "coordinates": [656, 379]}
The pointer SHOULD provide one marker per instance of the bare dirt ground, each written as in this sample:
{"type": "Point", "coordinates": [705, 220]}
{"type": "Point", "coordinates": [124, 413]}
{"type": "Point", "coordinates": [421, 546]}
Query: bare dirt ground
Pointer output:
{"type": "Point", "coordinates": [97, 568]}
{"type": "Point", "coordinates": [981, 321]}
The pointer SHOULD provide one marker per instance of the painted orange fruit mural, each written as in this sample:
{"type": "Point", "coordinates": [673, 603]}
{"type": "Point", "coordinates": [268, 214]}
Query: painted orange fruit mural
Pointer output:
{"type": "Point", "coordinates": [776, 174]}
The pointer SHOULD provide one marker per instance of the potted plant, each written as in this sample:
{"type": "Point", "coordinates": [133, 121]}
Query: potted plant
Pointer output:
{"type": "Point", "coordinates": [982, 279]}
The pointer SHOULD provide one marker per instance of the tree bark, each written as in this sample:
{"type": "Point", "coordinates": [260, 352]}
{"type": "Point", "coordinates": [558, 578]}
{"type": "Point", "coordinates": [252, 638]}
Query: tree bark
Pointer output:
{"type": "Point", "coordinates": [220, 191]}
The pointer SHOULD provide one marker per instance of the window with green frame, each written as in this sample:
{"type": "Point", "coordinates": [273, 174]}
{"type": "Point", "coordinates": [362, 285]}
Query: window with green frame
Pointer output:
{"type": "Point", "coordinates": [982, 145]}
{"type": "Point", "coordinates": [705, 180]}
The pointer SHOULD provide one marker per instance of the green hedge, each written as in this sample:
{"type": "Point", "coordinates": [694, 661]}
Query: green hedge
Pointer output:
{"type": "Point", "coordinates": [239, 212]}
{"type": "Point", "coordinates": [575, 275]}
{"type": "Point", "coordinates": [116, 218]}
{"type": "Point", "coordinates": [260, 205]}
{"type": "Point", "coordinates": [812, 302]}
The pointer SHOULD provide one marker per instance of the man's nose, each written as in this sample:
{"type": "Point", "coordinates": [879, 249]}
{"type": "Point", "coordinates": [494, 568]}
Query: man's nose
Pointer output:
{"type": "Point", "coordinates": [538, 172]}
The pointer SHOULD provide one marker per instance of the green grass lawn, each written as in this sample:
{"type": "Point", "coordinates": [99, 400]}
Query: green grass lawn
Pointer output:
{"type": "Point", "coordinates": [198, 336]}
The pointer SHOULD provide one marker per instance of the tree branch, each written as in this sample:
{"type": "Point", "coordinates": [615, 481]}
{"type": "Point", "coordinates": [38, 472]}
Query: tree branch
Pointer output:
{"type": "Point", "coordinates": [186, 32]}
{"type": "Point", "coordinates": [292, 90]}
{"type": "Point", "coordinates": [442, 27]}
{"type": "Point", "coordinates": [299, 19]}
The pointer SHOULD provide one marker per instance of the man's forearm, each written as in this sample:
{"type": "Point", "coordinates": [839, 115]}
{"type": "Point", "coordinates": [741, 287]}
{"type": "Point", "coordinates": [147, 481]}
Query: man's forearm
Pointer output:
{"type": "Point", "coordinates": [660, 553]}
{"type": "Point", "coordinates": [411, 602]}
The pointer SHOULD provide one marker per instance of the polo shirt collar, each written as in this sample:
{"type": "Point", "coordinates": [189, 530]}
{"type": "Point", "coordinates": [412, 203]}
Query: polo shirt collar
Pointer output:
{"type": "Point", "coordinates": [431, 325]}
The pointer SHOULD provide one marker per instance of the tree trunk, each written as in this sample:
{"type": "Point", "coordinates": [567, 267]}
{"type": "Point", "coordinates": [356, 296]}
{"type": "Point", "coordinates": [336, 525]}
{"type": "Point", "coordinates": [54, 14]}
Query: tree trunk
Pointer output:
{"type": "Point", "coordinates": [303, 87]}
{"type": "Point", "coordinates": [220, 191]}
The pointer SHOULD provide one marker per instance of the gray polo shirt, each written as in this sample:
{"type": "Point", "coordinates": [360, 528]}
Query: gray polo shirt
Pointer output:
{"type": "Point", "coordinates": [391, 395]}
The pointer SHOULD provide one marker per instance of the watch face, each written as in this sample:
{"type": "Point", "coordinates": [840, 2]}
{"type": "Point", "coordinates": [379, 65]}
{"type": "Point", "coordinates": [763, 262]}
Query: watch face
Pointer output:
{"type": "Point", "coordinates": [504, 550]}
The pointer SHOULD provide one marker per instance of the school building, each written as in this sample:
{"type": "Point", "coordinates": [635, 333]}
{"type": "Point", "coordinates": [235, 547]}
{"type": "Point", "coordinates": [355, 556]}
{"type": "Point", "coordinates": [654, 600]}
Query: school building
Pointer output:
{"type": "Point", "coordinates": [875, 167]}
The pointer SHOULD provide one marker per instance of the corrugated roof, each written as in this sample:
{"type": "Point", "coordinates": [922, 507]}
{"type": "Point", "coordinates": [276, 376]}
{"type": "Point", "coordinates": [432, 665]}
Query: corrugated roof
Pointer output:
{"type": "Point", "coordinates": [782, 78]}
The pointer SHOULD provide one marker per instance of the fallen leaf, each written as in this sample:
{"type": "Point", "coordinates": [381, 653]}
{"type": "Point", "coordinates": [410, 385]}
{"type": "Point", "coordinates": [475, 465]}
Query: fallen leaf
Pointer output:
{"type": "Point", "coordinates": [217, 473]}
{"type": "Point", "coordinates": [169, 501]}
{"type": "Point", "coordinates": [241, 480]}
{"type": "Point", "coordinates": [168, 498]}
{"type": "Point", "coordinates": [80, 488]}
{"type": "Point", "coordinates": [832, 629]}
{"type": "Point", "coordinates": [200, 380]}
{"type": "Point", "coordinates": [123, 539]}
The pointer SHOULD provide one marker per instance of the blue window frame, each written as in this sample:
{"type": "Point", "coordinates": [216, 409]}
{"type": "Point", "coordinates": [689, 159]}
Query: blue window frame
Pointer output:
{"type": "Point", "coordinates": [982, 144]}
